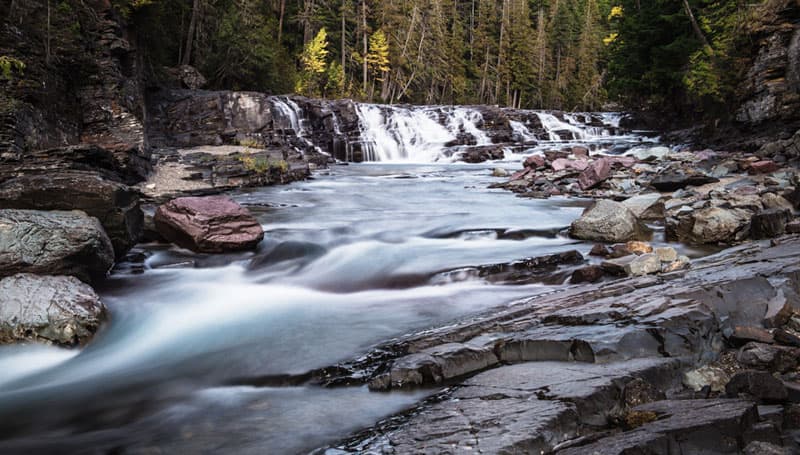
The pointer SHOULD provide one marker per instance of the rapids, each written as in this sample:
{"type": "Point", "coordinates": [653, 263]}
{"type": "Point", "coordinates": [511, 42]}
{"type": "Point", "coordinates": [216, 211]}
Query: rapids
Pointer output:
{"type": "Point", "coordinates": [350, 259]}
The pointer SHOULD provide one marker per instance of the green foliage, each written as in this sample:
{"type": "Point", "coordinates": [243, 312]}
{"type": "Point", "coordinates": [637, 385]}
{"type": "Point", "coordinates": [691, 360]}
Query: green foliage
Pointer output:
{"type": "Point", "coordinates": [262, 165]}
{"type": "Point", "coordinates": [313, 61]}
{"type": "Point", "coordinates": [9, 66]}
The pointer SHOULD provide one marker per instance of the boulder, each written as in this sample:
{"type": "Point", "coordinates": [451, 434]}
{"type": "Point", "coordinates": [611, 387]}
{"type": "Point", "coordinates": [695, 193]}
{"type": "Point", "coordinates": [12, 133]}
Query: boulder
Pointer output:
{"type": "Point", "coordinates": [666, 254]}
{"type": "Point", "coordinates": [675, 181]}
{"type": "Point", "coordinates": [210, 224]}
{"type": "Point", "coordinates": [716, 224]}
{"type": "Point", "coordinates": [650, 154]}
{"type": "Point", "coordinates": [56, 309]}
{"type": "Point", "coordinates": [499, 172]}
{"type": "Point", "coordinates": [597, 172]}
{"type": "Point", "coordinates": [115, 205]}
{"type": "Point", "coordinates": [637, 247]}
{"type": "Point", "coordinates": [53, 243]}
{"type": "Point", "coordinates": [609, 221]}
{"type": "Point", "coordinates": [643, 265]}
{"type": "Point", "coordinates": [646, 206]}
{"type": "Point", "coordinates": [588, 274]}
{"type": "Point", "coordinates": [769, 223]}
{"type": "Point", "coordinates": [534, 161]}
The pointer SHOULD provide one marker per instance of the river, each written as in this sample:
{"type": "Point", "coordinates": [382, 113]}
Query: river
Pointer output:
{"type": "Point", "coordinates": [351, 258]}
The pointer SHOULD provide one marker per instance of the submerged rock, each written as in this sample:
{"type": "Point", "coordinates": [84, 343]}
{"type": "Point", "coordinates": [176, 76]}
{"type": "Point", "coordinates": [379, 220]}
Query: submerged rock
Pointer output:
{"type": "Point", "coordinates": [609, 221]}
{"type": "Point", "coordinates": [57, 309]}
{"type": "Point", "coordinates": [53, 243]}
{"type": "Point", "coordinates": [211, 224]}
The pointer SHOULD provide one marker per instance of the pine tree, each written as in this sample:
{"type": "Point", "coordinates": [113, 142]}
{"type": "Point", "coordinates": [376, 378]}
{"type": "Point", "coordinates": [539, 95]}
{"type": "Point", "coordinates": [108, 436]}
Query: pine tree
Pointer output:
{"type": "Point", "coordinates": [312, 61]}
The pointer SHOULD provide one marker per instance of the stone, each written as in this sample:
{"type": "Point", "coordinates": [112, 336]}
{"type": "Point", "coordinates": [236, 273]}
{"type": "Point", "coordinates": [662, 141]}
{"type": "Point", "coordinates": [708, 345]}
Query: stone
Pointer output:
{"type": "Point", "coordinates": [651, 154]}
{"type": "Point", "coordinates": [638, 392]}
{"type": "Point", "coordinates": [609, 221]}
{"type": "Point", "coordinates": [580, 151]}
{"type": "Point", "coordinates": [758, 384]}
{"type": "Point", "coordinates": [681, 427]}
{"type": "Point", "coordinates": [211, 224]}
{"type": "Point", "coordinates": [774, 201]}
{"type": "Point", "coordinates": [769, 223]}
{"type": "Point", "coordinates": [765, 448]}
{"type": "Point", "coordinates": [744, 334]}
{"type": "Point", "coordinates": [617, 266]}
{"type": "Point", "coordinates": [711, 376]}
{"type": "Point", "coordinates": [762, 356]}
{"type": "Point", "coordinates": [596, 173]}
{"type": "Point", "coordinates": [561, 164]}
{"type": "Point", "coordinates": [499, 172]}
{"type": "Point", "coordinates": [779, 310]}
{"type": "Point", "coordinates": [54, 309]}
{"type": "Point", "coordinates": [666, 254]}
{"type": "Point", "coordinates": [763, 167]}
{"type": "Point", "coordinates": [716, 224]}
{"type": "Point", "coordinates": [683, 262]}
{"type": "Point", "coordinates": [793, 227]}
{"type": "Point", "coordinates": [643, 265]}
{"type": "Point", "coordinates": [534, 161]}
{"type": "Point", "coordinates": [787, 337]}
{"type": "Point", "coordinates": [53, 243]}
{"type": "Point", "coordinates": [673, 182]}
{"type": "Point", "coordinates": [115, 205]}
{"type": "Point", "coordinates": [646, 206]}
{"type": "Point", "coordinates": [588, 274]}
{"type": "Point", "coordinates": [598, 249]}
{"type": "Point", "coordinates": [638, 247]}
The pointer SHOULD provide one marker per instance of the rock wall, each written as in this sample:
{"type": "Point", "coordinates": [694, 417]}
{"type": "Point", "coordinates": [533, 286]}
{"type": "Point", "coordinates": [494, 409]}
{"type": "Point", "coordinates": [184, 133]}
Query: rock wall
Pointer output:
{"type": "Point", "coordinates": [81, 83]}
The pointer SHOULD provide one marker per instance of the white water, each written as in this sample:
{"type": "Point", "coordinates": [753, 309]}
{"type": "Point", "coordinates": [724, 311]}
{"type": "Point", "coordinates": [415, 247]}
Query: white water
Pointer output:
{"type": "Point", "coordinates": [556, 128]}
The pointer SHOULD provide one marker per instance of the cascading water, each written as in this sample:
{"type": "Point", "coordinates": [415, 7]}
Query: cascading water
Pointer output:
{"type": "Point", "coordinates": [557, 130]}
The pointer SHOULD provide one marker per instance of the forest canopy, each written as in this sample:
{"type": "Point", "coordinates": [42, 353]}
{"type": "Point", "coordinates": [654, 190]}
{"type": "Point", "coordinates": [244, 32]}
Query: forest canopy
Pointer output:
{"type": "Point", "coordinates": [556, 54]}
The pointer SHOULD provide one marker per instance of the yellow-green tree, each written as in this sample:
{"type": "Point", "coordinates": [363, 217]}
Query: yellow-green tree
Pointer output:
{"type": "Point", "coordinates": [378, 58]}
{"type": "Point", "coordinates": [312, 76]}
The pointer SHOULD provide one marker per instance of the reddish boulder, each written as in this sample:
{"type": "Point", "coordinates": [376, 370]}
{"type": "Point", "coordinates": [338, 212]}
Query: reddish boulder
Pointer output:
{"type": "Point", "coordinates": [595, 174]}
{"type": "Point", "coordinates": [763, 167]}
{"type": "Point", "coordinates": [211, 224]}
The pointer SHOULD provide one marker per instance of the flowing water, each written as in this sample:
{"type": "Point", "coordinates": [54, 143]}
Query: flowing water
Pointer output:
{"type": "Point", "coordinates": [351, 258]}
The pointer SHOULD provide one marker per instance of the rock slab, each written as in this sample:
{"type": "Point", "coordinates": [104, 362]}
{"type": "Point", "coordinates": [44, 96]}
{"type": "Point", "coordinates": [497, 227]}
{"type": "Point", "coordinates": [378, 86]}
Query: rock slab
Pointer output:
{"type": "Point", "coordinates": [609, 221]}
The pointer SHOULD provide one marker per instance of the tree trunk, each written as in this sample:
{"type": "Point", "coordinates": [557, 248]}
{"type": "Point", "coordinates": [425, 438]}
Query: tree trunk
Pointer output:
{"type": "Point", "coordinates": [344, 45]}
{"type": "Point", "coordinates": [280, 20]}
{"type": "Point", "coordinates": [695, 25]}
{"type": "Point", "coordinates": [187, 54]}
{"type": "Point", "coordinates": [364, 56]}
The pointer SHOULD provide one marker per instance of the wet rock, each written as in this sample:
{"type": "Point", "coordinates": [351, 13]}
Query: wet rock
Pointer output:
{"type": "Point", "coordinates": [673, 182]}
{"type": "Point", "coordinates": [774, 201]}
{"type": "Point", "coordinates": [588, 274]}
{"type": "Point", "coordinates": [56, 309]}
{"type": "Point", "coordinates": [479, 154]}
{"type": "Point", "coordinates": [768, 357]}
{"type": "Point", "coordinates": [681, 263]}
{"type": "Point", "coordinates": [638, 392]}
{"type": "Point", "coordinates": [609, 221]}
{"type": "Point", "coordinates": [53, 243]}
{"type": "Point", "coordinates": [499, 172]}
{"type": "Point", "coordinates": [115, 205]}
{"type": "Point", "coordinates": [563, 163]}
{"type": "Point", "coordinates": [598, 249]}
{"type": "Point", "coordinates": [793, 227]}
{"type": "Point", "coordinates": [683, 426]}
{"type": "Point", "coordinates": [618, 266]}
{"type": "Point", "coordinates": [763, 167]}
{"type": "Point", "coordinates": [597, 172]}
{"type": "Point", "coordinates": [646, 206]}
{"type": "Point", "coordinates": [769, 223]}
{"type": "Point", "coordinates": [643, 265]}
{"type": "Point", "coordinates": [212, 224]}
{"type": "Point", "coordinates": [758, 384]}
{"type": "Point", "coordinates": [651, 154]}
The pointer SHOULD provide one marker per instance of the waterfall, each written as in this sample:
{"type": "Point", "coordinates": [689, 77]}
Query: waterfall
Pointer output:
{"type": "Point", "coordinates": [558, 130]}
{"type": "Point", "coordinates": [521, 132]}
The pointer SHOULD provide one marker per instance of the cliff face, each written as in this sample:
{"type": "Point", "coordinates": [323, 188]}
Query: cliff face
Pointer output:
{"type": "Point", "coordinates": [770, 91]}
{"type": "Point", "coordinates": [81, 83]}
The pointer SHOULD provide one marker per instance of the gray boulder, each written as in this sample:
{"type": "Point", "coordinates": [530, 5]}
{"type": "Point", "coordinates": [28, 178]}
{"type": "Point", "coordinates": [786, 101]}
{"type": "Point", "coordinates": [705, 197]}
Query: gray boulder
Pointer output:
{"type": "Point", "coordinates": [609, 221]}
{"type": "Point", "coordinates": [53, 243]}
{"type": "Point", "coordinates": [56, 309]}
{"type": "Point", "coordinates": [115, 205]}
